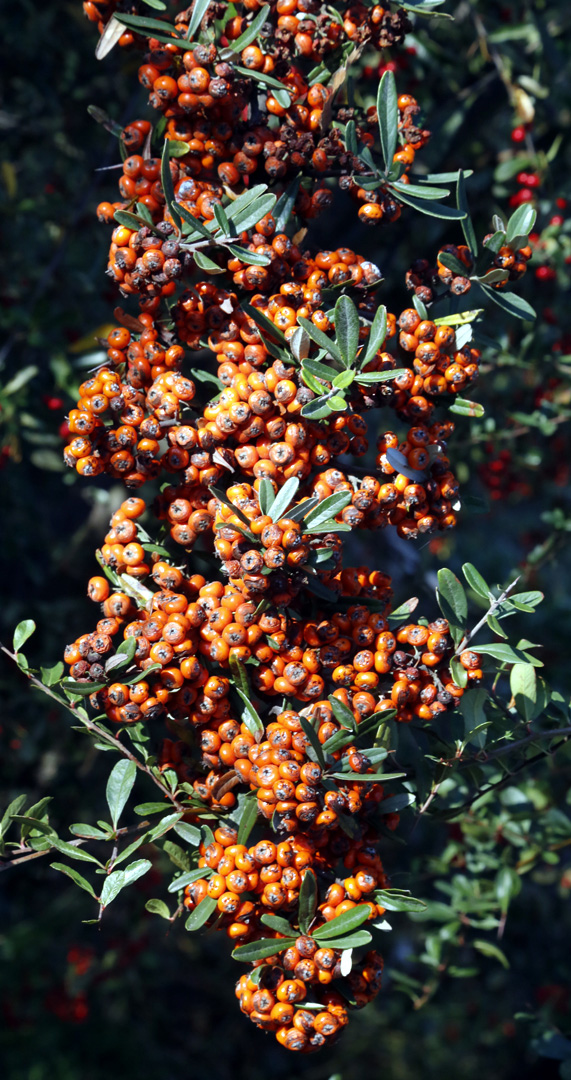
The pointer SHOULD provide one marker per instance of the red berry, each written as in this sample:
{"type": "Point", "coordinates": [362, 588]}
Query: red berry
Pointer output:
{"type": "Point", "coordinates": [518, 134]}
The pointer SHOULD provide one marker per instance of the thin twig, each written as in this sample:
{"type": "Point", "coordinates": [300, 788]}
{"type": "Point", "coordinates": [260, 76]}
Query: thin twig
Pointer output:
{"type": "Point", "coordinates": [95, 730]}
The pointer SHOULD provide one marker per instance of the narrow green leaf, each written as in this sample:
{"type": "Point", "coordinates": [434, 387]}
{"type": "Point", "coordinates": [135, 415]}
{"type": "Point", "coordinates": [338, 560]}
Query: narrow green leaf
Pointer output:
{"type": "Point", "coordinates": [275, 922]}
{"type": "Point", "coordinates": [311, 734]}
{"type": "Point", "coordinates": [205, 263]}
{"type": "Point", "coordinates": [259, 950]}
{"type": "Point", "coordinates": [388, 117]}
{"type": "Point", "coordinates": [199, 10]}
{"type": "Point", "coordinates": [188, 878]}
{"type": "Point", "coordinates": [347, 329]}
{"type": "Point", "coordinates": [307, 901]}
{"type": "Point", "coordinates": [321, 339]}
{"type": "Point", "coordinates": [395, 900]}
{"type": "Point", "coordinates": [247, 821]}
{"type": "Point", "coordinates": [283, 209]}
{"type": "Point", "coordinates": [512, 303]}
{"type": "Point", "coordinates": [73, 874]}
{"type": "Point", "coordinates": [167, 185]}
{"type": "Point", "coordinates": [251, 33]}
{"type": "Point", "coordinates": [342, 714]}
{"type": "Point", "coordinates": [462, 204]}
{"type": "Point", "coordinates": [343, 924]}
{"type": "Point", "coordinates": [11, 811]}
{"type": "Point", "coordinates": [432, 209]}
{"type": "Point", "coordinates": [266, 495]}
{"type": "Point", "coordinates": [507, 655]}
{"type": "Point", "coordinates": [377, 335]}
{"type": "Point", "coordinates": [119, 787]}
{"type": "Point", "coordinates": [328, 508]}
{"type": "Point", "coordinates": [250, 717]}
{"type": "Point", "coordinates": [508, 885]}
{"type": "Point", "coordinates": [372, 378]}
{"type": "Point", "coordinates": [284, 497]}
{"type": "Point", "coordinates": [421, 191]}
{"type": "Point", "coordinates": [349, 941]}
{"type": "Point", "coordinates": [367, 778]}
{"type": "Point", "coordinates": [452, 602]}
{"type": "Point", "coordinates": [74, 852]}
{"type": "Point", "coordinates": [487, 948]}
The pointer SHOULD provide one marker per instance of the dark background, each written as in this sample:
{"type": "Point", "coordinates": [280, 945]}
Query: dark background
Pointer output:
{"type": "Point", "coordinates": [138, 997]}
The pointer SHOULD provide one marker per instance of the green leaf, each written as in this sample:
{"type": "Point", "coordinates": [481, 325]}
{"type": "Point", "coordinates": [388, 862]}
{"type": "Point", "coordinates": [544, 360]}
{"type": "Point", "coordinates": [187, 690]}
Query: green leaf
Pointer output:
{"type": "Point", "coordinates": [87, 831]}
{"type": "Point", "coordinates": [507, 655]}
{"type": "Point", "coordinates": [343, 380]}
{"type": "Point", "coordinates": [250, 717]}
{"type": "Point", "coordinates": [401, 613]}
{"type": "Point", "coordinates": [388, 117]}
{"type": "Point", "coordinates": [205, 263]}
{"type": "Point", "coordinates": [321, 339]}
{"type": "Point", "coordinates": [222, 220]}
{"type": "Point", "coordinates": [258, 950]}
{"type": "Point", "coordinates": [521, 222]}
{"type": "Point", "coordinates": [248, 820]}
{"type": "Point", "coordinates": [317, 409]}
{"type": "Point", "coordinates": [452, 603]}
{"type": "Point", "coordinates": [284, 498]}
{"type": "Point", "coordinates": [177, 855]}
{"type": "Point", "coordinates": [326, 509]}
{"type": "Point", "coordinates": [284, 207]}
{"type": "Point", "coordinates": [123, 656]}
{"type": "Point", "coordinates": [507, 885]}
{"type": "Point", "coordinates": [432, 209]}
{"type": "Point", "coordinates": [167, 185]}
{"type": "Point", "coordinates": [141, 23]}
{"type": "Point", "coordinates": [398, 900]}
{"type": "Point", "coordinates": [81, 689]}
{"type": "Point", "coordinates": [395, 803]}
{"type": "Point", "coordinates": [74, 852]}
{"type": "Point", "coordinates": [197, 225]}
{"type": "Point", "coordinates": [349, 941]}
{"type": "Point", "coordinates": [523, 685]}
{"type": "Point", "coordinates": [307, 901]}
{"type": "Point", "coordinates": [316, 746]}
{"type": "Point", "coordinates": [487, 948]}
{"type": "Point", "coordinates": [146, 808]}
{"type": "Point", "coordinates": [377, 335]}
{"type": "Point", "coordinates": [267, 80]}
{"type": "Point", "coordinates": [251, 215]}
{"type": "Point", "coordinates": [476, 581]}
{"type": "Point", "coordinates": [199, 10]}
{"type": "Point", "coordinates": [190, 833]}
{"type": "Point", "coordinates": [265, 324]}
{"type": "Point", "coordinates": [299, 344]}
{"type": "Point", "coordinates": [471, 706]}
{"type": "Point", "coordinates": [158, 907]}
{"type": "Point", "coordinates": [512, 303]}
{"type": "Point", "coordinates": [188, 878]}
{"type": "Point", "coordinates": [119, 787]}
{"type": "Point", "coordinates": [451, 262]}
{"type": "Point", "coordinates": [23, 631]}
{"type": "Point", "coordinates": [10, 813]}
{"type": "Point", "coordinates": [367, 778]}
{"type": "Point", "coordinates": [77, 878]}
{"type": "Point", "coordinates": [421, 191]}
{"type": "Point", "coordinates": [251, 33]}
{"type": "Point", "coordinates": [399, 462]}
{"type": "Point", "coordinates": [16, 383]}
{"type": "Point", "coordinates": [347, 328]}
{"type": "Point", "coordinates": [343, 924]}
{"type": "Point", "coordinates": [342, 714]}
{"type": "Point", "coordinates": [51, 676]}
{"type": "Point", "coordinates": [112, 886]}
{"type": "Point", "coordinates": [275, 922]}
{"type": "Point", "coordinates": [462, 204]}
{"type": "Point", "coordinates": [266, 495]}
{"type": "Point", "coordinates": [369, 378]}
{"type": "Point", "coordinates": [458, 672]}
{"type": "Point", "coordinates": [31, 824]}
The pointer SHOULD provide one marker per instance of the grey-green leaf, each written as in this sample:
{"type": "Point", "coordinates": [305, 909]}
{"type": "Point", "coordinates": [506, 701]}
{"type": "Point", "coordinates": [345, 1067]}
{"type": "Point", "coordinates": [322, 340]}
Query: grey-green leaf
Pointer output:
{"type": "Point", "coordinates": [119, 787]}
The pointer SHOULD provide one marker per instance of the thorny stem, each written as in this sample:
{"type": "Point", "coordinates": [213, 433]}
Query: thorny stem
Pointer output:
{"type": "Point", "coordinates": [95, 730]}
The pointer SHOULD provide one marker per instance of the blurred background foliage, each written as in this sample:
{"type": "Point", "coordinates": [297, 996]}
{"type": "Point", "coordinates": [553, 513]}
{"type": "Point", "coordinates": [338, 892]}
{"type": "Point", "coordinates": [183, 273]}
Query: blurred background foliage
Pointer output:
{"type": "Point", "coordinates": [138, 997]}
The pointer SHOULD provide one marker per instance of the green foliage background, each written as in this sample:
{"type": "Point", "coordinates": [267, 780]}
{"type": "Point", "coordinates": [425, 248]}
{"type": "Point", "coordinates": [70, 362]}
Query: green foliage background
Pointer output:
{"type": "Point", "coordinates": [139, 997]}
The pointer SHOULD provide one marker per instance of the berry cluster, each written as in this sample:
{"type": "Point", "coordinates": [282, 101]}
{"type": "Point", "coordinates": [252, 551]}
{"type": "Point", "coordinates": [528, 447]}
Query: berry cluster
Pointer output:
{"type": "Point", "coordinates": [263, 686]}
